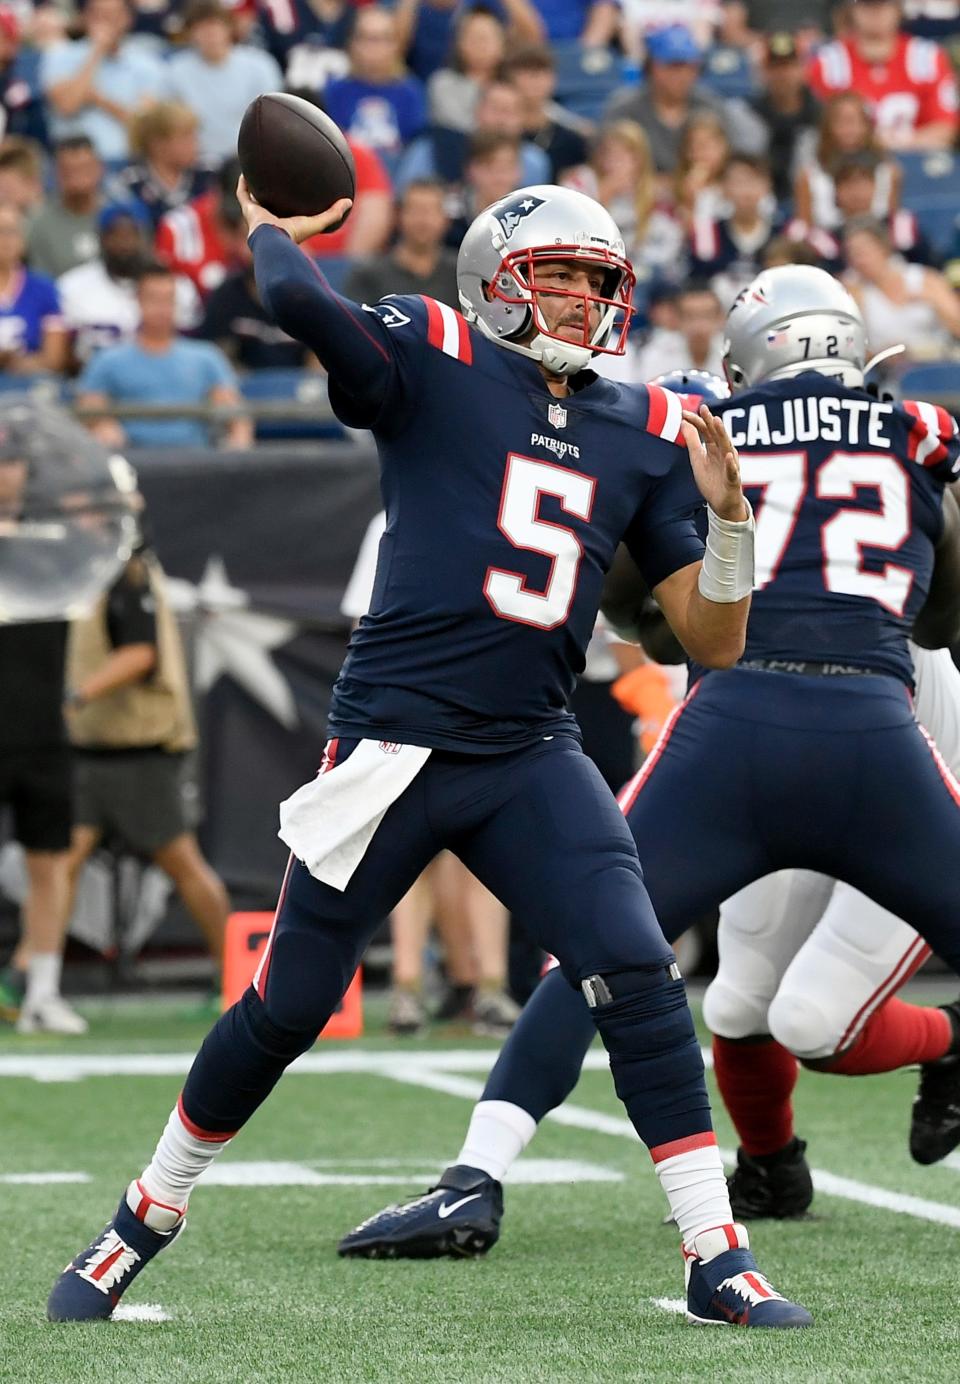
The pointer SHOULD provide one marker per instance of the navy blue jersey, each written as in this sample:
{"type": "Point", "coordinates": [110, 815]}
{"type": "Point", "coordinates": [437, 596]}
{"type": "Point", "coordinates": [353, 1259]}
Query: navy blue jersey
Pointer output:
{"type": "Point", "coordinates": [504, 508]}
{"type": "Point", "coordinates": [848, 495]}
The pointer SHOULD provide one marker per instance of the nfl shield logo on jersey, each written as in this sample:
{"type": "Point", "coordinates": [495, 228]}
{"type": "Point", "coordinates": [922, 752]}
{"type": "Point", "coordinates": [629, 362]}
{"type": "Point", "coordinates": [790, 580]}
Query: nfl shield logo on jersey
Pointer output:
{"type": "Point", "coordinates": [557, 416]}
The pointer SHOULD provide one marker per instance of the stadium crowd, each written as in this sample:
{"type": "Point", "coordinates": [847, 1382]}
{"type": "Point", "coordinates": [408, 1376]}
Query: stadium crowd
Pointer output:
{"type": "Point", "coordinates": [721, 136]}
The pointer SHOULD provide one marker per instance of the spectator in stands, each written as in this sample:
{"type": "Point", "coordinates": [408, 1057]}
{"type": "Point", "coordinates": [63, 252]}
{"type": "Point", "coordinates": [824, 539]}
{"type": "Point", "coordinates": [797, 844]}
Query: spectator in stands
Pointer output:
{"type": "Point", "coordinates": [21, 174]}
{"type": "Point", "coordinates": [701, 17]}
{"type": "Point", "coordinates": [288, 24]}
{"type": "Point", "coordinates": [531, 70]}
{"type": "Point", "coordinates": [93, 84]}
{"type": "Point", "coordinates": [443, 154]}
{"type": "Point", "coordinates": [378, 103]}
{"type": "Point", "coordinates": [419, 262]}
{"type": "Point", "coordinates": [846, 130]}
{"type": "Point", "coordinates": [788, 108]}
{"type": "Point", "coordinates": [198, 239]}
{"type": "Point", "coordinates": [163, 140]}
{"type": "Point", "coordinates": [131, 723]}
{"type": "Point", "coordinates": [161, 367]}
{"type": "Point", "coordinates": [694, 341]}
{"type": "Point", "coordinates": [747, 24]}
{"type": "Point", "coordinates": [63, 233]}
{"type": "Point", "coordinates": [494, 169]}
{"type": "Point", "coordinates": [698, 180]}
{"type": "Point", "coordinates": [621, 176]}
{"type": "Point", "coordinates": [591, 23]}
{"type": "Point", "coordinates": [218, 78]}
{"type": "Point", "coordinates": [672, 94]}
{"type": "Point", "coordinates": [855, 185]}
{"type": "Point", "coordinates": [907, 83]}
{"type": "Point", "coordinates": [426, 28]}
{"type": "Point", "coordinates": [235, 320]}
{"type": "Point", "coordinates": [22, 107]}
{"type": "Point", "coordinates": [453, 91]}
{"type": "Point", "coordinates": [99, 298]}
{"type": "Point", "coordinates": [32, 337]}
{"type": "Point", "coordinates": [729, 252]}
{"type": "Point", "coordinates": [902, 303]}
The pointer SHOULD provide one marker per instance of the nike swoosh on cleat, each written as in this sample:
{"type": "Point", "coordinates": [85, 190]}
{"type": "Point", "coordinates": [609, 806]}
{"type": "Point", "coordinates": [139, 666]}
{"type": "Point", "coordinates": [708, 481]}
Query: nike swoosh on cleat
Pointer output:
{"type": "Point", "coordinates": [447, 1210]}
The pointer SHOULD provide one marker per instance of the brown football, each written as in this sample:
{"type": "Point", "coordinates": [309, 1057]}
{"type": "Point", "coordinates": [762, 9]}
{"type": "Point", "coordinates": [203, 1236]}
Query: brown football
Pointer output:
{"type": "Point", "coordinates": [294, 158]}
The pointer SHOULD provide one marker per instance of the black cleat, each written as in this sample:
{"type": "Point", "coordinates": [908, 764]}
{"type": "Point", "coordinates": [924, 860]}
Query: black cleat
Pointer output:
{"type": "Point", "coordinates": [935, 1123]}
{"type": "Point", "coordinates": [457, 1219]}
{"type": "Point", "coordinates": [776, 1185]}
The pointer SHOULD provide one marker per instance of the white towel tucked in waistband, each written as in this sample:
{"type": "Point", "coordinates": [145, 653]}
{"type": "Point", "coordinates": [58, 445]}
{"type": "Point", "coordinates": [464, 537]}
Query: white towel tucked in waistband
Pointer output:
{"type": "Point", "coordinates": [330, 822]}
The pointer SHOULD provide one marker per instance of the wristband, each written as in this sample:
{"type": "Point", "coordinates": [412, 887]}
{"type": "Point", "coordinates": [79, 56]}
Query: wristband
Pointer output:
{"type": "Point", "coordinates": [726, 573]}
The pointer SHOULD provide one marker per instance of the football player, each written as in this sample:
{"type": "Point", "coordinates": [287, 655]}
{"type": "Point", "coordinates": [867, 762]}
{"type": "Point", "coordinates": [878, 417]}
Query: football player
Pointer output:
{"type": "Point", "coordinates": [799, 330]}
{"type": "Point", "coordinates": [510, 473]}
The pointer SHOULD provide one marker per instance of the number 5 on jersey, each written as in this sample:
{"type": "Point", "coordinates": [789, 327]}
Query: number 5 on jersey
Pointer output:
{"type": "Point", "coordinates": [524, 483]}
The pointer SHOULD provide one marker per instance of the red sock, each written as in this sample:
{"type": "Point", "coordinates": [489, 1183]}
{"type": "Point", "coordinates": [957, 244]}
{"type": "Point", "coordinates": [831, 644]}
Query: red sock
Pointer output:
{"type": "Point", "coordinates": [756, 1081]}
{"type": "Point", "coordinates": [897, 1035]}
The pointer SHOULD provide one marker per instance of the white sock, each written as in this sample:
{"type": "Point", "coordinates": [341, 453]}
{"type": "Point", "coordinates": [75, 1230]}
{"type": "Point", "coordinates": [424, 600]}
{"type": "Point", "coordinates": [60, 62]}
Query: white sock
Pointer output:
{"type": "Point", "coordinates": [173, 1172]}
{"type": "Point", "coordinates": [696, 1188]}
{"type": "Point", "coordinates": [499, 1132]}
{"type": "Point", "coordinates": [43, 977]}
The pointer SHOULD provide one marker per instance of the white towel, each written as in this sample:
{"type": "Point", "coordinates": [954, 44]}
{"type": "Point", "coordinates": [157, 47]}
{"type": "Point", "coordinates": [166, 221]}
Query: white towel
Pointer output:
{"type": "Point", "coordinates": [330, 822]}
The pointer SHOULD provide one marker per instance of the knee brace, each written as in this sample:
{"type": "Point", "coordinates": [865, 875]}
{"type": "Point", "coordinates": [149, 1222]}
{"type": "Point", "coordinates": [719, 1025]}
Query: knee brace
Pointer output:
{"type": "Point", "coordinates": [645, 1022]}
{"type": "Point", "coordinates": [732, 1013]}
{"type": "Point", "coordinates": [803, 1026]}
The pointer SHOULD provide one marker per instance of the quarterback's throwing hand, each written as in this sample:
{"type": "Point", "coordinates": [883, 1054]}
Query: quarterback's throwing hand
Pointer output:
{"type": "Point", "coordinates": [298, 228]}
{"type": "Point", "coordinates": [716, 466]}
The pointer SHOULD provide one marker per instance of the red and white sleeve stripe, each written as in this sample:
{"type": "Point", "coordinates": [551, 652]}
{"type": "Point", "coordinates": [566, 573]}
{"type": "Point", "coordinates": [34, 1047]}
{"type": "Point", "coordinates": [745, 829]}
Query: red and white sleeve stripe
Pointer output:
{"type": "Point", "coordinates": [447, 331]}
{"type": "Point", "coordinates": [931, 433]}
{"type": "Point", "coordinates": [665, 415]}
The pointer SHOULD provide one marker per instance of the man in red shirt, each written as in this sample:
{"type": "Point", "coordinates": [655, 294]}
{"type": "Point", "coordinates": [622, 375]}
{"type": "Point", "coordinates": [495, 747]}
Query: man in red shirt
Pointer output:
{"type": "Point", "coordinates": [201, 239]}
{"type": "Point", "coordinates": [908, 82]}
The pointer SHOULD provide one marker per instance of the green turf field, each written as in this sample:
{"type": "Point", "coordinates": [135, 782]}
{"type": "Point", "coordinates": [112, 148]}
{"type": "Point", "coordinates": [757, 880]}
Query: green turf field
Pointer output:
{"type": "Point", "coordinates": [580, 1288]}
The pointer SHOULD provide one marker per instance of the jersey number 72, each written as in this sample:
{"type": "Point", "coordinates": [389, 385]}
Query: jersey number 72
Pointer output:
{"type": "Point", "coordinates": [783, 480]}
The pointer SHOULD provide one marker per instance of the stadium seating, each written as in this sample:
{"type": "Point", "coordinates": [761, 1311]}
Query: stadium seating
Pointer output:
{"type": "Point", "coordinates": [586, 78]}
{"type": "Point", "coordinates": [931, 190]}
{"type": "Point", "coordinates": [938, 382]}
{"type": "Point", "coordinates": [729, 72]}
{"type": "Point", "coordinates": [299, 387]}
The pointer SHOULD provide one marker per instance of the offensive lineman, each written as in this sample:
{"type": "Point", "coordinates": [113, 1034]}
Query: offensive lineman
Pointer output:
{"type": "Point", "coordinates": [510, 472]}
{"type": "Point", "coordinates": [824, 684]}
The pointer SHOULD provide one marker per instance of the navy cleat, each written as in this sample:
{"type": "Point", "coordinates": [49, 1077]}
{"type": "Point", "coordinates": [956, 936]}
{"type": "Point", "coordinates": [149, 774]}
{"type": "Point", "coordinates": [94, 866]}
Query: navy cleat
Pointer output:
{"type": "Point", "coordinates": [459, 1218]}
{"type": "Point", "coordinates": [92, 1284]}
{"type": "Point", "coordinates": [935, 1119]}
{"type": "Point", "coordinates": [725, 1287]}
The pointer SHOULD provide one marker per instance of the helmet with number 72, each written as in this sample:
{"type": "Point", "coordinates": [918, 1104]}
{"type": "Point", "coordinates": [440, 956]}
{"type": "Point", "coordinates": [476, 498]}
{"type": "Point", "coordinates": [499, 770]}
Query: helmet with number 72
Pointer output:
{"type": "Point", "coordinates": [790, 319]}
{"type": "Point", "coordinates": [497, 284]}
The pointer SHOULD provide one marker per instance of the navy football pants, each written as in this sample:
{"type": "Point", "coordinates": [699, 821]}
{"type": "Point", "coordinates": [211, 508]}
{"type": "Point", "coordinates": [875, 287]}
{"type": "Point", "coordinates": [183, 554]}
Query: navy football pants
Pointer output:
{"type": "Point", "coordinates": [541, 829]}
{"type": "Point", "coordinates": [760, 772]}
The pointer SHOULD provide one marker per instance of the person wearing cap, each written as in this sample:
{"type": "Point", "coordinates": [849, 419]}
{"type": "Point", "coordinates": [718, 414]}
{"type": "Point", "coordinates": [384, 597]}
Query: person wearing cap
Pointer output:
{"type": "Point", "coordinates": [94, 83]}
{"type": "Point", "coordinates": [787, 107]}
{"type": "Point", "coordinates": [218, 78]}
{"type": "Point", "coordinates": [672, 93]}
{"type": "Point", "coordinates": [32, 336]}
{"type": "Point", "coordinates": [63, 233]}
{"type": "Point", "coordinates": [99, 299]}
{"type": "Point", "coordinates": [907, 82]}
{"type": "Point", "coordinates": [24, 111]}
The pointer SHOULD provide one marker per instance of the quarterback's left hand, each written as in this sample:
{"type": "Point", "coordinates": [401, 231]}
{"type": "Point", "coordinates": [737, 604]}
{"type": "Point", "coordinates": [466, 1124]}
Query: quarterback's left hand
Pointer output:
{"type": "Point", "coordinates": [715, 464]}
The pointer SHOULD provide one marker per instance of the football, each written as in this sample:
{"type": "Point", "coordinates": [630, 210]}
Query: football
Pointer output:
{"type": "Point", "coordinates": [294, 158]}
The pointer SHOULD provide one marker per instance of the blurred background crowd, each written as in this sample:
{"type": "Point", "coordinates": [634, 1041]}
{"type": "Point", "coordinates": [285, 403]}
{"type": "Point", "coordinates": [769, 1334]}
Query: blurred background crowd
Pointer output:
{"type": "Point", "coordinates": [722, 135]}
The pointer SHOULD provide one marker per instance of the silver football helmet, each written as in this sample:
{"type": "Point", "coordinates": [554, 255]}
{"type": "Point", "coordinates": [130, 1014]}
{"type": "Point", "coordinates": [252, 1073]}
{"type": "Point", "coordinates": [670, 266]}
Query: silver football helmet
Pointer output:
{"type": "Point", "coordinates": [791, 319]}
{"type": "Point", "coordinates": [496, 281]}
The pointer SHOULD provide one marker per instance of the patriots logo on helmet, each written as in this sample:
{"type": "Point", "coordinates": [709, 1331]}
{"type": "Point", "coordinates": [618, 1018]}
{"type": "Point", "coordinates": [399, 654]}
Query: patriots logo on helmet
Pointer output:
{"type": "Point", "coordinates": [516, 210]}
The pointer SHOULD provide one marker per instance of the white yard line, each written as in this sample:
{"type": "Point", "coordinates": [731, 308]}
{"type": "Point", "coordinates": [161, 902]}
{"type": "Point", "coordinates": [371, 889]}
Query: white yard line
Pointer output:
{"type": "Point", "coordinates": [140, 1312]}
{"type": "Point", "coordinates": [43, 1179]}
{"type": "Point", "coordinates": [441, 1072]}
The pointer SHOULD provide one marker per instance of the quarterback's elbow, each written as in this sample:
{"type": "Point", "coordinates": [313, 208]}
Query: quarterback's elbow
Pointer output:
{"type": "Point", "coordinates": [719, 650]}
